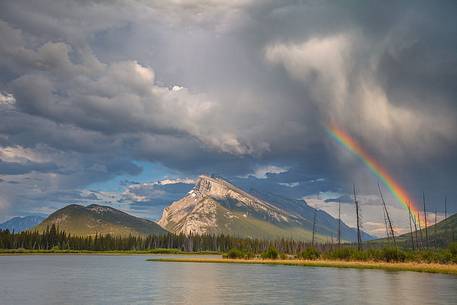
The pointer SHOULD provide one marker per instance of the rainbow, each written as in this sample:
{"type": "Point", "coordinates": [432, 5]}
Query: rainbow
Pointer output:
{"type": "Point", "coordinates": [400, 194]}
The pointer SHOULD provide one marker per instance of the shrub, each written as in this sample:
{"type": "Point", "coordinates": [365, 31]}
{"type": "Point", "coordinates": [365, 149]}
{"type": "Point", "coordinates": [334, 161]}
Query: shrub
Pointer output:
{"type": "Point", "coordinates": [55, 248]}
{"type": "Point", "coordinates": [390, 254]}
{"type": "Point", "coordinates": [443, 256]}
{"type": "Point", "coordinates": [362, 255]}
{"type": "Point", "coordinates": [249, 255]}
{"type": "Point", "coordinates": [235, 253]}
{"type": "Point", "coordinates": [426, 256]}
{"type": "Point", "coordinates": [271, 253]}
{"type": "Point", "coordinates": [453, 249]}
{"type": "Point", "coordinates": [341, 253]}
{"type": "Point", "coordinates": [310, 253]}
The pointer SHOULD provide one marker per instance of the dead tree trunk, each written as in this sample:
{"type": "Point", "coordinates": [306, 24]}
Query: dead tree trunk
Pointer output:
{"type": "Point", "coordinates": [359, 237]}
{"type": "Point", "coordinates": [445, 207]}
{"type": "Point", "coordinates": [425, 219]}
{"type": "Point", "coordinates": [386, 225]}
{"type": "Point", "coordinates": [410, 226]}
{"type": "Point", "coordinates": [413, 218]}
{"type": "Point", "coordinates": [314, 227]}
{"type": "Point", "coordinates": [339, 223]}
{"type": "Point", "coordinates": [445, 217]}
{"type": "Point", "coordinates": [420, 230]}
{"type": "Point", "coordinates": [388, 217]}
{"type": "Point", "coordinates": [434, 231]}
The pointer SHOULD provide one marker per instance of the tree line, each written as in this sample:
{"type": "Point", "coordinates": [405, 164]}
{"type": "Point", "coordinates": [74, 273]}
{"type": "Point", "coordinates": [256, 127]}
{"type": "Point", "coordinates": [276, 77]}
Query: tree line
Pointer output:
{"type": "Point", "coordinates": [53, 238]}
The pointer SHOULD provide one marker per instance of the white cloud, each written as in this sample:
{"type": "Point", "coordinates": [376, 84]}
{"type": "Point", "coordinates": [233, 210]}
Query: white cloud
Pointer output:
{"type": "Point", "coordinates": [7, 98]}
{"type": "Point", "coordinates": [291, 184]}
{"type": "Point", "coordinates": [322, 61]}
{"type": "Point", "coordinates": [176, 181]}
{"type": "Point", "coordinates": [21, 154]}
{"type": "Point", "coordinates": [261, 172]}
{"type": "Point", "coordinates": [177, 88]}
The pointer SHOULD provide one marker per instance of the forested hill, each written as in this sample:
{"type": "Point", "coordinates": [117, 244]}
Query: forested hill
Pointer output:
{"type": "Point", "coordinates": [97, 219]}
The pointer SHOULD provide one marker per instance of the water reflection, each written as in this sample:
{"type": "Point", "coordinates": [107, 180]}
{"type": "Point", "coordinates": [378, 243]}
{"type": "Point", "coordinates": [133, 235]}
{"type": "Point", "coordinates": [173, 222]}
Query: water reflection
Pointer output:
{"type": "Point", "coordinates": [98, 280]}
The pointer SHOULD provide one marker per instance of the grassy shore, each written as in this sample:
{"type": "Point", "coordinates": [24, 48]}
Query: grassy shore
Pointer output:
{"type": "Point", "coordinates": [118, 252]}
{"type": "Point", "coordinates": [418, 267]}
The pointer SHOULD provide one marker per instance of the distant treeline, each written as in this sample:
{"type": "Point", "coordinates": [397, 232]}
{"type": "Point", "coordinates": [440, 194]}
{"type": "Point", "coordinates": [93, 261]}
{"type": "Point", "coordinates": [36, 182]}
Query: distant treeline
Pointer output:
{"type": "Point", "coordinates": [53, 238]}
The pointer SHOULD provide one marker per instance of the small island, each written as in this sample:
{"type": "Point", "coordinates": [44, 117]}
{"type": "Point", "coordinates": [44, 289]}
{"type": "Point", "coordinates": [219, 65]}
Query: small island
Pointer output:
{"type": "Point", "coordinates": [387, 258]}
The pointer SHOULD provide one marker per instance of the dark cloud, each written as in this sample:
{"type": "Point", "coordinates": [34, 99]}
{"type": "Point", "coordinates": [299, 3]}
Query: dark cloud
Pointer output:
{"type": "Point", "coordinates": [344, 198]}
{"type": "Point", "coordinates": [14, 168]}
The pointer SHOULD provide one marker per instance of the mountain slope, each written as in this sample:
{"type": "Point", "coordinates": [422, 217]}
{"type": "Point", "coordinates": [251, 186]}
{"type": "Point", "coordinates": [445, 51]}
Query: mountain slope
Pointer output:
{"type": "Point", "coordinates": [84, 221]}
{"type": "Point", "coordinates": [215, 206]}
{"type": "Point", "coordinates": [327, 225]}
{"type": "Point", "coordinates": [442, 233]}
{"type": "Point", "coordinates": [19, 224]}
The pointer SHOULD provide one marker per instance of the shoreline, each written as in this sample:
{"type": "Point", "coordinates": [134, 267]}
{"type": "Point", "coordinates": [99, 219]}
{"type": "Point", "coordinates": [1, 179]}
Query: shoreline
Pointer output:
{"type": "Point", "coordinates": [415, 267]}
{"type": "Point", "coordinates": [110, 253]}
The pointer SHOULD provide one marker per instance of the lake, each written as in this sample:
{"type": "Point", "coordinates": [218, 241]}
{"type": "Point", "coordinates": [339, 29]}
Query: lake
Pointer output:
{"type": "Point", "coordinates": [128, 280]}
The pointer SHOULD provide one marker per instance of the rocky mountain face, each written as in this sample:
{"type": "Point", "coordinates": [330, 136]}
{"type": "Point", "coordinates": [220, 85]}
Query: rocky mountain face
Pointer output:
{"type": "Point", "coordinates": [19, 224]}
{"type": "Point", "coordinates": [215, 206]}
{"type": "Point", "coordinates": [97, 219]}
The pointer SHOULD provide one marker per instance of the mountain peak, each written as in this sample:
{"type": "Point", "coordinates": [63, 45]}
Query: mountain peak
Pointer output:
{"type": "Point", "coordinates": [214, 201]}
{"type": "Point", "coordinates": [210, 185]}
{"type": "Point", "coordinates": [100, 208]}
{"type": "Point", "coordinates": [216, 206]}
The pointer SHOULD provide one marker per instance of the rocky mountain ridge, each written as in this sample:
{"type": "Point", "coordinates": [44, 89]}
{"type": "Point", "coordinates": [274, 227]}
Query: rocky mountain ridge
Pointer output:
{"type": "Point", "coordinates": [215, 206]}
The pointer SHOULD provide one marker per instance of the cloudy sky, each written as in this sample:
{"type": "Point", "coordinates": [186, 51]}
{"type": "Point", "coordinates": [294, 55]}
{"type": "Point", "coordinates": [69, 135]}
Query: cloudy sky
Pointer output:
{"type": "Point", "coordinates": [102, 100]}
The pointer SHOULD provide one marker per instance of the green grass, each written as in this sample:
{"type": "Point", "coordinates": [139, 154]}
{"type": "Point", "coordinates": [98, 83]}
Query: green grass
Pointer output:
{"type": "Point", "coordinates": [391, 254]}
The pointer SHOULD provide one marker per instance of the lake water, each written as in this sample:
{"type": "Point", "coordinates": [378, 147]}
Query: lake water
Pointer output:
{"type": "Point", "coordinates": [128, 280]}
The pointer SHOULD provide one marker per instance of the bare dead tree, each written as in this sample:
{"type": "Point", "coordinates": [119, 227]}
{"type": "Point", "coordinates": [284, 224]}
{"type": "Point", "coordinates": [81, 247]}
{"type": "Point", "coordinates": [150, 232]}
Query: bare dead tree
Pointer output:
{"type": "Point", "coordinates": [410, 225]}
{"type": "Point", "coordinates": [434, 230]}
{"type": "Point", "coordinates": [339, 222]}
{"type": "Point", "coordinates": [420, 230]}
{"type": "Point", "coordinates": [445, 207]}
{"type": "Point", "coordinates": [359, 236]}
{"type": "Point", "coordinates": [413, 218]}
{"type": "Point", "coordinates": [314, 227]}
{"type": "Point", "coordinates": [425, 219]}
{"type": "Point", "coordinates": [388, 216]}
{"type": "Point", "coordinates": [386, 225]}
{"type": "Point", "coordinates": [445, 217]}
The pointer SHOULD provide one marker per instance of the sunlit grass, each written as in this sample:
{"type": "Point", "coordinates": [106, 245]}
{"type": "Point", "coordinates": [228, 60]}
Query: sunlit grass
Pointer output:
{"type": "Point", "coordinates": [411, 266]}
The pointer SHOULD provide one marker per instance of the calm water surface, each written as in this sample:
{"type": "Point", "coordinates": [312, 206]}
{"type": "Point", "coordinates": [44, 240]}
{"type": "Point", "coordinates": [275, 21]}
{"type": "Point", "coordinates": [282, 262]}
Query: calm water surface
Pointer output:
{"type": "Point", "coordinates": [126, 280]}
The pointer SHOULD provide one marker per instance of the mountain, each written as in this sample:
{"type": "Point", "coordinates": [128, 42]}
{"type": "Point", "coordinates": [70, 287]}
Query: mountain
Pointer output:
{"type": "Point", "coordinates": [83, 221]}
{"type": "Point", "coordinates": [442, 233]}
{"type": "Point", "coordinates": [216, 206]}
{"type": "Point", "coordinates": [326, 224]}
{"type": "Point", "coordinates": [19, 224]}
